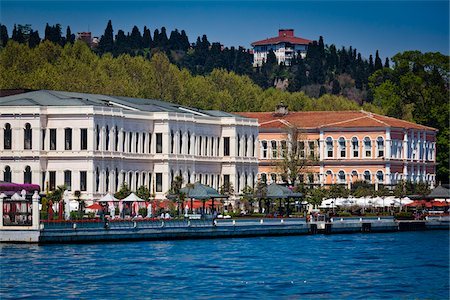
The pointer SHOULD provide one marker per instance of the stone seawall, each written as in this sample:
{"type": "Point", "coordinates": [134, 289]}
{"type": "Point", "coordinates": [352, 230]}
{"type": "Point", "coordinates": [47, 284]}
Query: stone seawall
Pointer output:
{"type": "Point", "coordinates": [122, 230]}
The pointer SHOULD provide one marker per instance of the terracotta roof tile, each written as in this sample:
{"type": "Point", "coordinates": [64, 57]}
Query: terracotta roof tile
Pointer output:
{"type": "Point", "coordinates": [324, 119]}
{"type": "Point", "coordinates": [282, 39]}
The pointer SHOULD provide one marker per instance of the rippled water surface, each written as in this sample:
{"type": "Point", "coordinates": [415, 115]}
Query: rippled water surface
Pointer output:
{"type": "Point", "coordinates": [408, 265]}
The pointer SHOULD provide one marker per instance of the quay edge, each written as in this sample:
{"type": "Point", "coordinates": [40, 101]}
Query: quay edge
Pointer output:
{"type": "Point", "coordinates": [79, 232]}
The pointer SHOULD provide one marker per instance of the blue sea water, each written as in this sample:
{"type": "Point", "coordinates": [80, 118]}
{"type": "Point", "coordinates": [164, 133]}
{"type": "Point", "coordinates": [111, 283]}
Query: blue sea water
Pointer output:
{"type": "Point", "coordinates": [406, 265]}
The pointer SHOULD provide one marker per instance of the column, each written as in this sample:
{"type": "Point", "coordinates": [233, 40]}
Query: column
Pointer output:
{"type": "Point", "coordinates": [34, 209]}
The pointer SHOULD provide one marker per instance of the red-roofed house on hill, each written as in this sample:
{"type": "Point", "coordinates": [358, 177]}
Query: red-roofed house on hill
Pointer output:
{"type": "Point", "coordinates": [346, 146]}
{"type": "Point", "coordinates": [285, 46]}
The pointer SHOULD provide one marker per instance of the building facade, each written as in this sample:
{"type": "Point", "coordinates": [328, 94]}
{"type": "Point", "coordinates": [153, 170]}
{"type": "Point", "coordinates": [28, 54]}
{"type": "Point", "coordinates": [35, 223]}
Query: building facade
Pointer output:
{"type": "Point", "coordinates": [95, 143]}
{"type": "Point", "coordinates": [347, 146]}
{"type": "Point", "coordinates": [285, 46]}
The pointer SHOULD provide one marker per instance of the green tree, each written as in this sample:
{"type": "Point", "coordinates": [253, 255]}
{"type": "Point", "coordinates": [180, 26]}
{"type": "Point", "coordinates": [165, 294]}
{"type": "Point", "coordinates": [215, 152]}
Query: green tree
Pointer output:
{"type": "Point", "coordinates": [106, 43]}
{"type": "Point", "coordinates": [3, 35]}
{"type": "Point", "coordinates": [378, 63]}
{"type": "Point", "coordinates": [143, 192]}
{"type": "Point", "coordinates": [336, 87]}
{"type": "Point", "coordinates": [294, 161]}
{"type": "Point", "coordinates": [123, 192]}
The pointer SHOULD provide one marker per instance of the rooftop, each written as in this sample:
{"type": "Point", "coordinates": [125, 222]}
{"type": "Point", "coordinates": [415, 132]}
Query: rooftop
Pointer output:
{"type": "Point", "coordinates": [284, 36]}
{"type": "Point", "coordinates": [328, 119]}
{"type": "Point", "coordinates": [60, 98]}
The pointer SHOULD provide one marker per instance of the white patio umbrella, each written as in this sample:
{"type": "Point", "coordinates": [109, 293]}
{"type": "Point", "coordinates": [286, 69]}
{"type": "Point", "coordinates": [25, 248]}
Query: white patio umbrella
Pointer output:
{"type": "Point", "coordinates": [133, 198]}
{"type": "Point", "coordinates": [108, 198]}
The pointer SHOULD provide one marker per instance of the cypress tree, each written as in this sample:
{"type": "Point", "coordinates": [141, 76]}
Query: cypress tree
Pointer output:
{"type": "Point", "coordinates": [3, 35]}
{"type": "Point", "coordinates": [163, 40]}
{"type": "Point", "coordinates": [156, 43]}
{"type": "Point", "coordinates": [70, 38]}
{"type": "Point", "coordinates": [135, 41]}
{"type": "Point", "coordinates": [271, 59]}
{"type": "Point", "coordinates": [121, 44]}
{"type": "Point", "coordinates": [106, 43]}
{"type": "Point", "coordinates": [386, 63]}
{"type": "Point", "coordinates": [378, 63]}
{"type": "Point", "coordinates": [17, 35]}
{"type": "Point", "coordinates": [371, 67]}
{"type": "Point", "coordinates": [146, 38]}
{"type": "Point", "coordinates": [34, 39]}
{"type": "Point", "coordinates": [184, 41]}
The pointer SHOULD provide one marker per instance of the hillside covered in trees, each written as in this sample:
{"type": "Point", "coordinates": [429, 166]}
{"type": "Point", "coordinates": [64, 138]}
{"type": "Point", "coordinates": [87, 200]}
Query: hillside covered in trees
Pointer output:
{"type": "Point", "coordinates": [206, 76]}
{"type": "Point", "coordinates": [325, 69]}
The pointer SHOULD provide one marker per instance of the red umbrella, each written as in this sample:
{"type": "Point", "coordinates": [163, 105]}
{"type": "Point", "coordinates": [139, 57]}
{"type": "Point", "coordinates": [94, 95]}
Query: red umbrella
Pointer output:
{"type": "Point", "coordinates": [95, 206]}
{"type": "Point", "coordinates": [439, 203]}
{"type": "Point", "coordinates": [50, 210]}
{"type": "Point", "coordinates": [60, 210]}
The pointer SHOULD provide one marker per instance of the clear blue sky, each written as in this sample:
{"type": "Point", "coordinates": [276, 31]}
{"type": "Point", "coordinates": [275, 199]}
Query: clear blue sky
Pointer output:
{"type": "Point", "coordinates": [390, 27]}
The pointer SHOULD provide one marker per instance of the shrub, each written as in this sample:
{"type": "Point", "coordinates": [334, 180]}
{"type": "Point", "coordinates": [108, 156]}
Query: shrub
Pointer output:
{"type": "Point", "coordinates": [404, 215]}
{"type": "Point", "coordinates": [344, 214]}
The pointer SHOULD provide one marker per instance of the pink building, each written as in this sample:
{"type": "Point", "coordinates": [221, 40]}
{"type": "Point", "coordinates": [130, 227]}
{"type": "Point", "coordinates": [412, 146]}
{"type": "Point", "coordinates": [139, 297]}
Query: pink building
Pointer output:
{"type": "Point", "coordinates": [347, 146]}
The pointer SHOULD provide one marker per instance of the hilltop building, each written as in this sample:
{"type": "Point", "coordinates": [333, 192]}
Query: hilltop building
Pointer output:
{"type": "Point", "coordinates": [285, 46]}
{"type": "Point", "coordinates": [346, 146]}
{"type": "Point", "coordinates": [94, 143]}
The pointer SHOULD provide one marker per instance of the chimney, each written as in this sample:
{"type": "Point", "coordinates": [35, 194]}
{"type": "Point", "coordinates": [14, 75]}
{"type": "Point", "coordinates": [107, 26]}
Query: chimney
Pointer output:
{"type": "Point", "coordinates": [281, 110]}
{"type": "Point", "coordinates": [285, 32]}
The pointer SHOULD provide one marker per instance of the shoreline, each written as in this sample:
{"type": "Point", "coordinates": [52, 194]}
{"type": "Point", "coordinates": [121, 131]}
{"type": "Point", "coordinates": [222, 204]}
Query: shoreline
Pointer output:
{"type": "Point", "coordinates": [136, 230]}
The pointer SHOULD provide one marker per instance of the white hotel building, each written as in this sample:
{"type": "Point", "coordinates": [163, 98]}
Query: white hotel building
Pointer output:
{"type": "Point", "coordinates": [93, 143]}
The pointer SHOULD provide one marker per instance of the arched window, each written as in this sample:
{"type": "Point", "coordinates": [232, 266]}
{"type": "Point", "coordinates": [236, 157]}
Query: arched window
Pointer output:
{"type": "Point", "coordinates": [124, 139]}
{"type": "Point", "coordinates": [107, 138]}
{"type": "Point", "coordinates": [329, 142]}
{"type": "Point", "coordinates": [200, 146]}
{"type": "Point", "coordinates": [245, 145]}
{"type": "Point", "coordinates": [380, 177]}
{"type": "Point", "coordinates": [380, 146]}
{"type": "Point", "coordinates": [116, 139]}
{"type": "Point", "coordinates": [7, 174]}
{"type": "Point", "coordinates": [27, 137]}
{"type": "Point", "coordinates": [273, 177]}
{"type": "Point", "coordinates": [97, 179]}
{"type": "Point", "coordinates": [189, 143]}
{"type": "Point", "coordinates": [136, 150]}
{"type": "Point", "coordinates": [239, 145]}
{"type": "Point", "coordinates": [341, 177]}
{"type": "Point", "coordinates": [355, 147]}
{"type": "Point", "coordinates": [180, 142]}
{"type": "Point", "coordinates": [143, 142]}
{"type": "Point", "coordinates": [107, 180]}
{"type": "Point", "coordinates": [27, 175]}
{"type": "Point", "coordinates": [68, 139]}
{"type": "Point", "coordinates": [342, 148]}
{"type": "Point", "coordinates": [97, 138]}
{"type": "Point", "coordinates": [7, 137]}
{"type": "Point", "coordinates": [367, 147]}
{"type": "Point", "coordinates": [264, 149]}
{"type": "Point", "coordinates": [273, 144]}
{"type": "Point", "coordinates": [264, 177]}
{"type": "Point", "coordinates": [130, 143]}
{"type": "Point", "coordinates": [253, 148]}
{"type": "Point", "coordinates": [367, 176]}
